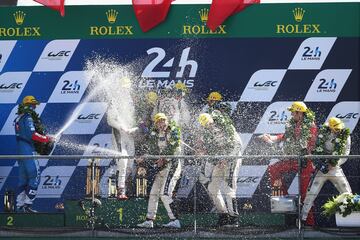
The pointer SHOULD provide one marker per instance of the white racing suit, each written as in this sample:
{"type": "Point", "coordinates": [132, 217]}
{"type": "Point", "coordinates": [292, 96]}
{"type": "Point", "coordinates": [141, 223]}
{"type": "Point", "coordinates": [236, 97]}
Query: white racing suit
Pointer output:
{"type": "Point", "coordinates": [164, 184]}
{"type": "Point", "coordinates": [122, 142]}
{"type": "Point", "coordinates": [335, 176]}
{"type": "Point", "coordinates": [223, 180]}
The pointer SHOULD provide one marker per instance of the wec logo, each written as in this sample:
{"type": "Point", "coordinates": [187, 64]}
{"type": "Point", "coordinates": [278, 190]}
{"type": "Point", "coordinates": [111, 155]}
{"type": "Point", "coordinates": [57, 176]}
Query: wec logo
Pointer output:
{"type": "Point", "coordinates": [248, 179]}
{"type": "Point", "coordinates": [59, 54]}
{"type": "Point", "coordinates": [266, 84]}
{"type": "Point", "coordinates": [89, 117]}
{"type": "Point", "coordinates": [347, 116]}
{"type": "Point", "coordinates": [11, 86]}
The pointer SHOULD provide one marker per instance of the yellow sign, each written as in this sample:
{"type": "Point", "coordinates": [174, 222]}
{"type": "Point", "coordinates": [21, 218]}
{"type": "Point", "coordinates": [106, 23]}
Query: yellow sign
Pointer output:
{"type": "Point", "coordinates": [114, 30]}
{"type": "Point", "coordinates": [19, 18]}
{"type": "Point", "coordinates": [298, 28]}
{"type": "Point", "coordinates": [203, 29]}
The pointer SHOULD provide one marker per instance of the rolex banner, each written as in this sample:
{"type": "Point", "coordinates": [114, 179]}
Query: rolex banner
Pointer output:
{"type": "Point", "coordinates": [260, 60]}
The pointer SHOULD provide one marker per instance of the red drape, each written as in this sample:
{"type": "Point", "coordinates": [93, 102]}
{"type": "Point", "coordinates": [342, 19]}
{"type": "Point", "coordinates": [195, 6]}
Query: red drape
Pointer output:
{"type": "Point", "coordinates": [57, 5]}
{"type": "Point", "coordinates": [220, 10]}
{"type": "Point", "coordinates": [150, 13]}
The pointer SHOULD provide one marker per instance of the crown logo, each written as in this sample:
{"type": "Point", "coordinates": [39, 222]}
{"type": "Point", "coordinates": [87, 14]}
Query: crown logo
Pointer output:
{"type": "Point", "coordinates": [111, 15]}
{"type": "Point", "coordinates": [19, 17]}
{"type": "Point", "coordinates": [298, 14]}
{"type": "Point", "coordinates": [204, 14]}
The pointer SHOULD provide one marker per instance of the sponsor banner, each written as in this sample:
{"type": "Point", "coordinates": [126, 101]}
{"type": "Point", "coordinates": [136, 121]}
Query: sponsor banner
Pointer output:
{"type": "Point", "coordinates": [274, 118]}
{"type": "Point", "coordinates": [56, 55]}
{"type": "Point", "coordinates": [54, 180]}
{"type": "Point", "coordinates": [348, 112]}
{"type": "Point", "coordinates": [9, 127]}
{"type": "Point", "coordinates": [312, 53]}
{"type": "Point", "coordinates": [263, 85]}
{"type": "Point", "coordinates": [70, 88]}
{"type": "Point", "coordinates": [4, 173]}
{"type": "Point", "coordinates": [186, 21]}
{"type": "Point", "coordinates": [86, 118]}
{"type": "Point", "coordinates": [11, 85]}
{"type": "Point", "coordinates": [249, 179]}
{"type": "Point", "coordinates": [100, 144]}
{"type": "Point", "coordinates": [5, 50]}
{"type": "Point", "coordinates": [327, 85]}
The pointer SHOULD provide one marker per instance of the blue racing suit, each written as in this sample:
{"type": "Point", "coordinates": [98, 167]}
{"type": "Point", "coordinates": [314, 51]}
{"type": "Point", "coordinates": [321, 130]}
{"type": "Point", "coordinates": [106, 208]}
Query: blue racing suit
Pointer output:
{"type": "Point", "coordinates": [29, 170]}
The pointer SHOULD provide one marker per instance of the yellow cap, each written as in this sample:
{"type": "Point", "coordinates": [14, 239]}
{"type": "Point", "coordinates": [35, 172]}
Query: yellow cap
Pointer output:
{"type": "Point", "coordinates": [214, 96]}
{"type": "Point", "coordinates": [30, 100]}
{"type": "Point", "coordinates": [159, 116]}
{"type": "Point", "coordinates": [298, 107]}
{"type": "Point", "coordinates": [204, 119]}
{"type": "Point", "coordinates": [181, 87]}
{"type": "Point", "coordinates": [151, 97]}
{"type": "Point", "coordinates": [336, 124]}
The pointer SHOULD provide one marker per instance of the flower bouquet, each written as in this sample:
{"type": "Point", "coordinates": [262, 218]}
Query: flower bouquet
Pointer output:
{"type": "Point", "coordinates": [346, 206]}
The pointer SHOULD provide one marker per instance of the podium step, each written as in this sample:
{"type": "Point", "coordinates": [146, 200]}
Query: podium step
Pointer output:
{"type": "Point", "coordinates": [36, 220]}
{"type": "Point", "coordinates": [127, 214]}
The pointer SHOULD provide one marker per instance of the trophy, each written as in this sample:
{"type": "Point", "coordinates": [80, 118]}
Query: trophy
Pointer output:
{"type": "Point", "coordinates": [92, 178]}
{"type": "Point", "coordinates": [141, 181]}
{"type": "Point", "coordinates": [112, 184]}
{"type": "Point", "coordinates": [9, 201]}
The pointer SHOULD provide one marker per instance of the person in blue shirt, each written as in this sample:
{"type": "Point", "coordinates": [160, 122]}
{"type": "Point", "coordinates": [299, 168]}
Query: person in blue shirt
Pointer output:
{"type": "Point", "coordinates": [29, 133]}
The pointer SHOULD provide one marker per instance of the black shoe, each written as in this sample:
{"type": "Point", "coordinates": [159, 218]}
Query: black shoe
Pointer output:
{"type": "Point", "coordinates": [223, 219]}
{"type": "Point", "coordinates": [232, 221]}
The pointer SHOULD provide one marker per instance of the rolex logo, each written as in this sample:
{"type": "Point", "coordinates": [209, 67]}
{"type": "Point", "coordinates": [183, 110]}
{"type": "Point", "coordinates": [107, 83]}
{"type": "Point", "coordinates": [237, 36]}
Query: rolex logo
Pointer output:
{"type": "Point", "coordinates": [204, 14]}
{"type": "Point", "coordinates": [19, 17]}
{"type": "Point", "coordinates": [298, 14]}
{"type": "Point", "coordinates": [111, 15]}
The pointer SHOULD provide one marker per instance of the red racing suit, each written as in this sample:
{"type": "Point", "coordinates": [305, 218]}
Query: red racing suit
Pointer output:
{"type": "Point", "coordinates": [279, 169]}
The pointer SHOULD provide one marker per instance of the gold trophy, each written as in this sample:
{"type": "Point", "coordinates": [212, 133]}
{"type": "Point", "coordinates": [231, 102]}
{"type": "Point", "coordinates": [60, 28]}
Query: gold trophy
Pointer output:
{"type": "Point", "coordinates": [141, 182]}
{"type": "Point", "coordinates": [92, 175]}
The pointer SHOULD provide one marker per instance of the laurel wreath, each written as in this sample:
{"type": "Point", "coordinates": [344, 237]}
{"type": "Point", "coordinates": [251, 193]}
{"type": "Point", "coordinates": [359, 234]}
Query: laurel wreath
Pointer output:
{"type": "Point", "coordinates": [339, 142]}
{"type": "Point", "coordinates": [298, 143]}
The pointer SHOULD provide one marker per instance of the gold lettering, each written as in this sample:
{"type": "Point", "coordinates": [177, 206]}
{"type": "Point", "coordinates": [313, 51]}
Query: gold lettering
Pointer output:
{"type": "Point", "coordinates": [11, 32]}
{"type": "Point", "coordinates": [103, 30]}
{"type": "Point", "coordinates": [297, 30]}
{"type": "Point", "coordinates": [195, 30]}
{"type": "Point", "coordinates": [186, 29]}
{"type": "Point", "coordinates": [119, 30]}
{"type": "Point", "coordinates": [3, 32]}
{"type": "Point", "coordinates": [316, 28]}
{"type": "Point", "coordinates": [19, 33]}
{"type": "Point", "coordinates": [289, 28]}
{"type": "Point", "coordinates": [36, 31]}
{"type": "Point", "coordinates": [222, 29]}
{"type": "Point", "coordinates": [307, 28]}
{"type": "Point", "coordinates": [129, 30]}
{"type": "Point", "coordinates": [280, 28]}
{"type": "Point", "coordinates": [27, 31]}
{"type": "Point", "coordinates": [94, 31]}
{"type": "Point", "coordinates": [202, 30]}
{"type": "Point", "coordinates": [111, 30]}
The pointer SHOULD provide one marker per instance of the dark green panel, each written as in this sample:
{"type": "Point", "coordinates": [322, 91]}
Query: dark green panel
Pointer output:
{"type": "Point", "coordinates": [183, 21]}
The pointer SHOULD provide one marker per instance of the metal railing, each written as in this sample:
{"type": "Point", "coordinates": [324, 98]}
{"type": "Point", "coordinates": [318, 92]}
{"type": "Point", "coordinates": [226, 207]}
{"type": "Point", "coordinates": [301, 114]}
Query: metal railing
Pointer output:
{"type": "Point", "coordinates": [194, 158]}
